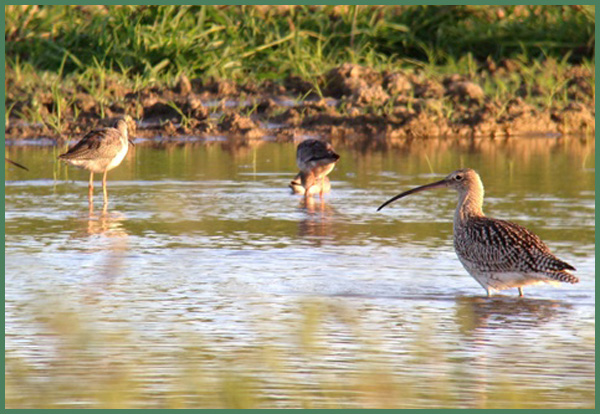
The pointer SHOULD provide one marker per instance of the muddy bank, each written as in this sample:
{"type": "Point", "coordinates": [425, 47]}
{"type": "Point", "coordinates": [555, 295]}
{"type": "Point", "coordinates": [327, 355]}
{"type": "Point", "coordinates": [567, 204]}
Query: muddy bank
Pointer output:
{"type": "Point", "coordinates": [353, 100]}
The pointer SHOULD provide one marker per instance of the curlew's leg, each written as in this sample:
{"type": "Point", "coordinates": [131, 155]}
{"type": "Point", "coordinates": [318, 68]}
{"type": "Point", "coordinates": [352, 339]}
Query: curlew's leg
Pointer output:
{"type": "Point", "coordinates": [489, 293]}
{"type": "Point", "coordinates": [104, 188]}
{"type": "Point", "coordinates": [91, 193]}
{"type": "Point", "coordinates": [521, 291]}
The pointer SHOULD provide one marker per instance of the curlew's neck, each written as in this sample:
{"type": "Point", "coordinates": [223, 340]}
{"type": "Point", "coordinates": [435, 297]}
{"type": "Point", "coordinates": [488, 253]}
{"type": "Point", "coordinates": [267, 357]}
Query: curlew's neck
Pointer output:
{"type": "Point", "coordinates": [470, 203]}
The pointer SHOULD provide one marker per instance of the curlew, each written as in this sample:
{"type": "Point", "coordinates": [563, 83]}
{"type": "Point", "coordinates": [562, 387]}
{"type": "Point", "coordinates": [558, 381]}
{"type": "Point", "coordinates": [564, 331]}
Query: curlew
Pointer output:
{"type": "Point", "coordinates": [99, 151]}
{"type": "Point", "coordinates": [497, 253]}
{"type": "Point", "coordinates": [315, 159]}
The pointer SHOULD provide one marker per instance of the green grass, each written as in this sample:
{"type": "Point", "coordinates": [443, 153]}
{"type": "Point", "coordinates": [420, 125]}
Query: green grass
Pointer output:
{"type": "Point", "coordinates": [237, 41]}
{"type": "Point", "coordinates": [240, 41]}
{"type": "Point", "coordinates": [90, 49]}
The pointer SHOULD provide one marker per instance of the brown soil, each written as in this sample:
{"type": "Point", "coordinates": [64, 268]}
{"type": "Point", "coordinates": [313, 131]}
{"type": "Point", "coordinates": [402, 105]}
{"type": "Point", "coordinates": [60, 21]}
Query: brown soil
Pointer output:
{"type": "Point", "coordinates": [358, 100]}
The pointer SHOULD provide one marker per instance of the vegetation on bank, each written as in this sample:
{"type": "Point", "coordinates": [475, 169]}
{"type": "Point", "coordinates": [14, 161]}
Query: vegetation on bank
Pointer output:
{"type": "Point", "coordinates": [275, 41]}
{"type": "Point", "coordinates": [115, 55]}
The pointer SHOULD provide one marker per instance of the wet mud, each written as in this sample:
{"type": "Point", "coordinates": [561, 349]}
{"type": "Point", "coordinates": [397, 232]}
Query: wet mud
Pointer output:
{"type": "Point", "coordinates": [353, 99]}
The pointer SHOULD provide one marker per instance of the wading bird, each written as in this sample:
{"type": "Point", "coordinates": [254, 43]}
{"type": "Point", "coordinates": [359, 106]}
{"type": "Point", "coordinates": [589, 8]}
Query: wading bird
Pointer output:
{"type": "Point", "coordinates": [315, 159]}
{"type": "Point", "coordinates": [99, 151]}
{"type": "Point", "coordinates": [497, 253]}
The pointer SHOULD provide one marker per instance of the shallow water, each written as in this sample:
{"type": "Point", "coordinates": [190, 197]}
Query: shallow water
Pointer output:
{"type": "Point", "coordinates": [203, 243]}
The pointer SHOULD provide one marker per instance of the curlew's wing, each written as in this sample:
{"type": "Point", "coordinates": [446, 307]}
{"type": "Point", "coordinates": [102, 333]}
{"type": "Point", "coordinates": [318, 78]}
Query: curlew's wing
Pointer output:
{"type": "Point", "coordinates": [501, 246]}
{"type": "Point", "coordinates": [98, 143]}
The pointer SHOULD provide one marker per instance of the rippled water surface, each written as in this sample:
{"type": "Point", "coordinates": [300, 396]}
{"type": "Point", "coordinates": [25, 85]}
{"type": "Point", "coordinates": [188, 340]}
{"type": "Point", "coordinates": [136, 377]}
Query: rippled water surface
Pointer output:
{"type": "Point", "coordinates": [206, 278]}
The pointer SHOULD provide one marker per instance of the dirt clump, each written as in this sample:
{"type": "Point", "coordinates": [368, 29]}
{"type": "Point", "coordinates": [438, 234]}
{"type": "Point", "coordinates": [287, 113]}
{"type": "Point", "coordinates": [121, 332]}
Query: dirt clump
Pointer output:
{"type": "Point", "coordinates": [160, 110]}
{"type": "Point", "coordinates": [236, 124]}
{"type": "Point", "coordinates": [184, 86]}
{"type": "Point", "coordinates": [369, 95]}
{"type": "Point", "coordinates": [297, 85]}
{"type": "Point", "coordinates": [397, 83]}
{"type": "Point", "coordinates": [463, 90]}
{"type": "Point", "coordinates": [195, 108]}
{"type": "Point", "coordinates": [429, 88]}
{"type": "Point", "coordinates": [348, 78]}
{"type": "Point", "coordinates": [575, 117]}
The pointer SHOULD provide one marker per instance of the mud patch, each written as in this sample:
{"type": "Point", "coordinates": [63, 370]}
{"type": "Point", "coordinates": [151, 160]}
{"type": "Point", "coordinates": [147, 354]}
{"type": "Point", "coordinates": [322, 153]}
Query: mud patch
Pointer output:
{"type": "Point", "coordinates": [355, 99]}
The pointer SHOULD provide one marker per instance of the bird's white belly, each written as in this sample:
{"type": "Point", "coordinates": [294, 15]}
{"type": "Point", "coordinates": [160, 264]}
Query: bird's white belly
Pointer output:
{"type": "Point", "coordinates": [504, 280]}
{"type": "Point", "coordinates": [99, 165]}
{"type": "Point", "coordinates": [119, 157]}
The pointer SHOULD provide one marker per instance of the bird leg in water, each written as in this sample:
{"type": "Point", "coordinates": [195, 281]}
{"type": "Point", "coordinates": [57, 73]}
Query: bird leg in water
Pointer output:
{"type": "Point", "coordinates": [521, 291]}
{"type": "Point", "coordinates": [91, 187]}
{"type": "Point", "coordinates": [104, 188]}
{"type": "Point", "coordinates": [308, 180]}
{"type": "Point", "coordinates": [322, 187]}
{"type": "Point", "coordinates": [91, 194]}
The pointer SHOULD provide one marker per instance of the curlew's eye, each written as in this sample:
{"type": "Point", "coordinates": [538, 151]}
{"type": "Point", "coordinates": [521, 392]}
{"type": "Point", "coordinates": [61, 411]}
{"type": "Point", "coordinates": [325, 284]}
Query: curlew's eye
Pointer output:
{"type": "Point", "coordinates": [458, 177]}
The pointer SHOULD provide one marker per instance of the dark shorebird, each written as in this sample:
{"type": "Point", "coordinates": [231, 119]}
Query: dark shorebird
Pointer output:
{"type": "Point", "coordinates": [315, 159]}
{"type": "Point", "coordinates": [99, 151]}
{"type": "Point", "coordinates": [497, 253]}
{"type": "Point", "coordinates": [16, 164]}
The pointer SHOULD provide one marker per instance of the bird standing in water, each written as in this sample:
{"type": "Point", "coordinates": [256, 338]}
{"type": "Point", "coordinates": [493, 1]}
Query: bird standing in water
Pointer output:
{"type": "Point", "coordinates": [315, 159]}
{"type": "Point", "coordinates": [99, 151]}
{"type": "Point", "coordinates": [497, 253]}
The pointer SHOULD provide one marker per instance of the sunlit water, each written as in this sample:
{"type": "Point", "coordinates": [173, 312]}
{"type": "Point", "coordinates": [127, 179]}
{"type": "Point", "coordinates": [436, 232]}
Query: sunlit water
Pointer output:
{"type": "Point", "coordinates": [203, 242]}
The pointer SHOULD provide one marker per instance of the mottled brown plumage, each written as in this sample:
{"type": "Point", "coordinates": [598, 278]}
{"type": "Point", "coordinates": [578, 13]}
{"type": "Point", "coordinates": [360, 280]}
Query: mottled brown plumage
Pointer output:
{"type": "Point", "coordinates": [99, 151]}
{"type": "Point", "coordinates": [497, 253]}
{"type": "Point", "coordinates": [315, 159]}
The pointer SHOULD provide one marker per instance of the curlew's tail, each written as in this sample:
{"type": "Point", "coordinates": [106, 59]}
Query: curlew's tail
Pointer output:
{"type": "Point", "coordinates": [563, 276]}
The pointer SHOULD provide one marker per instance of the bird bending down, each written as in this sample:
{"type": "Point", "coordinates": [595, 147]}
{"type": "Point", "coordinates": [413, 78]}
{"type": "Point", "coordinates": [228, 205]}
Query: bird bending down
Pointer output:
{"type": "Point", "coordinates": [315, 159]}
{"type": "Point", "coordinates": [497, 253]}
{"type": "Point", "coordinates": [99, 151]}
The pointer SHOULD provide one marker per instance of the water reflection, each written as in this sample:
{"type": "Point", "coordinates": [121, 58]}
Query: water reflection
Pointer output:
{"type": "Point", "coordinates": [109, 224]}
{"type": "Point", "coordinates": [317, 219]}
{"type": "Point", "coordinates": [504, 312]}
{"type": "Point", "coordinates": [495, 330]}
{"type": "Point", "coordinates": [204, 238]}
{"type": "Point", "coordinates": [112, 243]}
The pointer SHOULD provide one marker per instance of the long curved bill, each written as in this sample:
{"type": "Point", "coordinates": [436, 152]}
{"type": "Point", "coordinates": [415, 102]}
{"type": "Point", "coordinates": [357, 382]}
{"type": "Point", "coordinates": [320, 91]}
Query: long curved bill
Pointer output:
{"type": "Point", "coordinates": [437, 184]}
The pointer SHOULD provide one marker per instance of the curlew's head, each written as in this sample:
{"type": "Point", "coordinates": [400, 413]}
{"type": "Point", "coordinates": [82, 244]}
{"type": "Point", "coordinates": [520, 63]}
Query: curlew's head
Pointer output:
{"type": "Point", "coordinates": [465, 181]}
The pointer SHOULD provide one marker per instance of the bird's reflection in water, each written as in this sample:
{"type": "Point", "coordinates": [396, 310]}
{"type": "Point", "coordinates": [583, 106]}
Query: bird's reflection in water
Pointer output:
{"type": "Point", "coordinates": [109, 251]}
{"type": "Point", "coordinates": [502, 312]}
{"type": "Point", "coordinates": [109, 224]}
{"type": "Point", "coordinates": [484, 320]}
{"type": "Point", "coordinates": [317, 223]}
